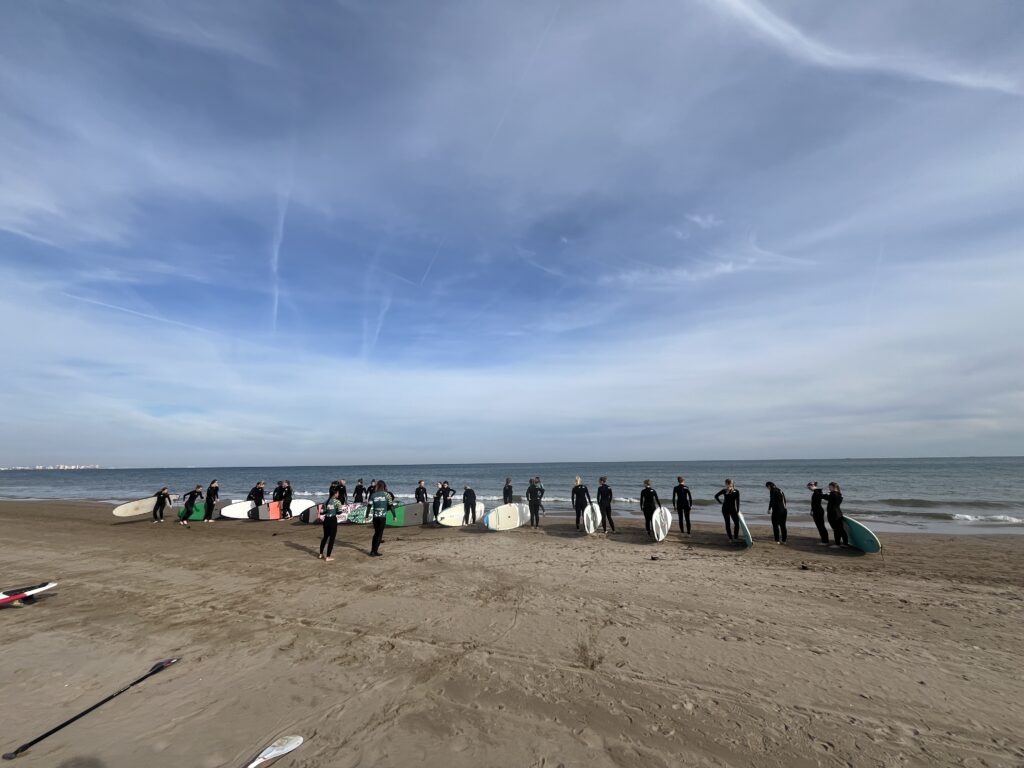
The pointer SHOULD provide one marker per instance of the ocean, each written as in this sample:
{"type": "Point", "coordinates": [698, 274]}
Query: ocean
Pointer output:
{"type": "Point", "coordinates": [962, 495]}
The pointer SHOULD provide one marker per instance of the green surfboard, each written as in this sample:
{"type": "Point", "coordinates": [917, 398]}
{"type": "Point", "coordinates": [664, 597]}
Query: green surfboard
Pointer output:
{"type": "Point", "coordinates": [860, 536]}
{"type": "Point", "coordinates": [198, 513]}
{"type": "Point", "coordinates": [405, 515]}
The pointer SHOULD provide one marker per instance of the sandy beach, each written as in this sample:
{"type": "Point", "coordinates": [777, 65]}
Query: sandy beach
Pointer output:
{"type": "Point", "coordinates": [525, 648]}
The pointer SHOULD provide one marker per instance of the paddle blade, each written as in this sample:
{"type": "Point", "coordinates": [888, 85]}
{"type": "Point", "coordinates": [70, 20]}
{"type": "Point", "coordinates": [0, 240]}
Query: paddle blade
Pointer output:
{"type": "Point", "coordinates": [161, 665]}
{"type": "Point", "coordinates": [282, 746]}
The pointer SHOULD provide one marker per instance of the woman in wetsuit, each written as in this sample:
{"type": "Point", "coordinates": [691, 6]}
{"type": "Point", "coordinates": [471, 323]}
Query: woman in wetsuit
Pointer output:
{"type": "Point", "coordinates": [580, 499]}
{"type": "Point", "coordinates": [729, 498]}
{"type": "Point", "coordinates": [256, 497]}
{"type": "Point", "coordinates": [190, 505]}
{"type": "Point", "coordinates": [331, 508]}
{"type": "Point", "coordinates": [438, 495]}
{"type": "Point", "coordinates": [818, 512]}
{"type": "Point", "coordinates": [777, 509]}
{"type": "Point", "coordinates": [212, 494]}
{"type": "Point", "coordinates": [506, 492]}
{"type": "Point", "coordinates": [834, 513]}
{"type": "Point", "coordinates": [649, 503]}
{"type": "Point", "coordinates": [163, 498]}
{"type": "Point", "coordinates": [286, 500]}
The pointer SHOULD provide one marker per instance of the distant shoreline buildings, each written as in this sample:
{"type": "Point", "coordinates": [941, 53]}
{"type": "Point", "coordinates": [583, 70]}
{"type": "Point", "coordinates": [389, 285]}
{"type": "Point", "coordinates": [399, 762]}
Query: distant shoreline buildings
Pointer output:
{"type": "Point", "coordinates": [52, 466]}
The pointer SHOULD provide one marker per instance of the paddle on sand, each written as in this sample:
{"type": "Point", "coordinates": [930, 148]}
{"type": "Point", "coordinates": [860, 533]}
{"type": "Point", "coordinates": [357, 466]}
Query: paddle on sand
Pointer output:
{"type": "Point", "coordinates": [282, 746]}
{"type": "Point", "coordinates": [160, 666]}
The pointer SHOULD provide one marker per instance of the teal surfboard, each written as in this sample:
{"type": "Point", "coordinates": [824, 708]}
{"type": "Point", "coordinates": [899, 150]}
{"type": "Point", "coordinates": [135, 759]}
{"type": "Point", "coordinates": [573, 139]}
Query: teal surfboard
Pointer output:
{"type": "Point", "coordinates": [745, 532]}
{"type": "Point", "coordinates": [860, 536]}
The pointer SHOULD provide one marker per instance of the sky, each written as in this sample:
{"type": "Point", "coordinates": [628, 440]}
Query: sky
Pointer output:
{"type": "Point", "coordinates": [259, 232]}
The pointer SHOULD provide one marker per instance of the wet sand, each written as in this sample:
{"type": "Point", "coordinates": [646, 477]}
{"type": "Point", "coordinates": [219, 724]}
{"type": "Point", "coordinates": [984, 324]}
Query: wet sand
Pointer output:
{"type": "Point", "coordinates": [525, 648]}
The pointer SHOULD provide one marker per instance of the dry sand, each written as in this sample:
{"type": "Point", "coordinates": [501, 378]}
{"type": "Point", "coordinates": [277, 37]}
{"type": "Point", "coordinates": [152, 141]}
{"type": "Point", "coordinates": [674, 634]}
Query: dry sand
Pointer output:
{"type": "Point", "coordinates": [524, 648]}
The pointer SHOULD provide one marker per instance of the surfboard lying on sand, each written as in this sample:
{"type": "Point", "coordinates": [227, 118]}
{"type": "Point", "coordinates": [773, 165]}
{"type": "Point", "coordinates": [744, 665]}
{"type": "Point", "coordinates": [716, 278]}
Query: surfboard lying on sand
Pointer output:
{"type": "Point", "coordinates": [860, 536]}
{"type": "Point", "coordinates": [138, 507]}
{"type": "Point", "coordinates": [506, 517]}
{"type": "Point", "coordinates": [358, 514]}
{"type": "Point", "coordinates": [661, 522]}
{"type": "Point", "coordinates": [22, 593]}
{"type": "Point", "coordinates": [744, 531]}
{"type": "Point", "coordinates": [452, 517]}
{"type": "Point", "coordinates": [592, 518]}
{"type": "Point", "coordinates": [238, 510]}
{"type": "Point", "coordinates": [413, 514]}
{"type": "Point", "coordinates": [282, 746]}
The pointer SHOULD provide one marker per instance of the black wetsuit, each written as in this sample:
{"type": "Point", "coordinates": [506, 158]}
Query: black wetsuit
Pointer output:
{"type": "Point", "coordinates": [649, 503]}
{"type": "Point", "coordinates": [580, 501]}
{"type": "Point", "coordinates": [533, 497]}
{"type": "Point", "coordinates": [256, 497]}
{"type": "Point", "coordinates": [286, 502]}
{"type": "Point", "coordinates": [777, 508]}
{"type": "Point", "coordinates": [212, 493]}
{"type": "Point", "coordinates": [358, 493]}
{"type": "Point", "coordinates": [190, 504]}
{"type": "Point", "coordinates": [818, 514]}
{"type": "Point", "coordinates": [330, 531]}
{"type": "Point", "coordinates": [447, 494]}
{"type": "Point", "coordinates": [342, 494]}
{"type": "Point", "coordinates": [278, 493]}
{"type": "Point", "coordinates": [835, 517]}
{"type": "Point", "coordinates": [604, 503]}
{"type": "Point", "coordinates": [421, 494]}
{"type": "Point", "coordinates": [437, 503]}
{"type": "Point", "coordinates": [162, 500]}
{"type": "Point", "coordinates": [682, 500]}
{"type": "Point", "coordinates": [506, 494]}
{"type": "Point", "coordinates": [731, 512]}
{"type": "Point", "coordinates": [468, 506]}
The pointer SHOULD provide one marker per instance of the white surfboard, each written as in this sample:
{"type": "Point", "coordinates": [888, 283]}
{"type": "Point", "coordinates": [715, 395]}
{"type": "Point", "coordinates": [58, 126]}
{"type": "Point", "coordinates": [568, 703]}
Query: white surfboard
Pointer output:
{"type": "Point", "coordinates": [592, 518]}
{"type": "Point", "coordinates": [506, 517]}
{"type": "Point", "coordinates": [139, 506]}
{"type": "Point", "coordinates": [239, 510]}
{"type": "Point", "coordinates": [452, 517]}
{"type": "Point", "coordinates": [16, 594]}
{"type": "Point", "coordinates": [661, 523]}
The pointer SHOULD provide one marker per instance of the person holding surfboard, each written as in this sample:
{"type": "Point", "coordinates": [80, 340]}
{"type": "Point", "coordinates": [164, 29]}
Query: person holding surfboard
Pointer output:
{"type": "Point", "coordinates": [256, 497]}
{"type": "Point", "coordinates": [729, 498]}
{"type": "Point", "coordinates": [580, 499]}
{"type": "Point", "coordinates": [533, 497]}
{"type": "Point", "coordinates": [818, 512]}
{"type": "Point", "coordinates": [682, 500]}
{"type": "Point", "coordinates": [834, 512]}
{"type": "Point", "coordinates": [212, 493]}
{"type": "Point", "coordinates": [190, 505]}
{"type": "Point", "coordinates": [331, 509]}
{"type": "Point", "coordinates": [468, 505]}
{"type": "Point", "coordinates": [649, 503]}
{"type": "Point", "coordinates": [777, 509]}
{"type": "Point", "coordinates": [604, 503]}
{"type": "Point", "coordinates": [163, 498]}
{"type": "Point", "coordinates": [438, 494]}
{"type": "Point", "coordinates": [380, 502]}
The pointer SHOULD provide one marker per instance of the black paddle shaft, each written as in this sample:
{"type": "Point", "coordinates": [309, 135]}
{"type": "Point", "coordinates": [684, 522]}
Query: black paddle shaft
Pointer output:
{"type": "Point", "coordinates": [160, 666]}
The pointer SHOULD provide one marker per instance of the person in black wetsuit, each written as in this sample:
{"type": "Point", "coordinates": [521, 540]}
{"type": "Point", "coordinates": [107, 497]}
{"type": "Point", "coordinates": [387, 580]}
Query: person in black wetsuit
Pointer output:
{"type": "Point", "coordinates": [506, 492]}
{"type": "Point", "coordinates": [729, 498]}
{"type": "Point", "coordinates": [604, 503]}
{"type": "Point", "coordinates": [163, 498]}
{"type": "Point", "coordinates": [421, 492]}
{"type": "Point", "coordinates": [580, 499]}
{"type": "Point", "coordinates": [342, 493]}
{"type": "Point", "coordinates": [438, 496]}
{"type": "Point", "coordinates": [278, 492]}
{"type": "Point", "coordinates": [818, 512]}
{"type": "Point", "coordinates": [332, 489]}
{"type": "Point", "coordinates": [468, 505]}
{"type": "Point", "coordinates": [540, 486]}
{"type": "Point", "coordinates": [649, 503]}
{"type": "Point", "coordinates": [682, 500]}
{"type": "Point", "coordinates": [533, 497]}
{"type": "Point", "coordinates": [834, 512]}
{"type": "Point", "coordinates": [777, 509]}
{"type": "Point", "coordinates": [190, 505]}
{"type": "Point", "coordinates": [447, 495]}
{"type": "Point", "coordinates": [256, 497]}
{"type": "Point", "coordinates": [358, 492]}
{"type": "Point", "coordinates": [212, 494]}
{"type": "Point", "coordinates": [286, 500]}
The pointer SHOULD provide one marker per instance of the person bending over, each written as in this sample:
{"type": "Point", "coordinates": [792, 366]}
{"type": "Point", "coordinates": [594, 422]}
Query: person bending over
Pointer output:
{"type": "Point", "coordinates": [256, 497]}
{"type": "Point", "coordinates": [163, 498]}
{"type": "Point", "coordinates": [190, 505]}
{"type": "Point", "coordinates": [468, 505]}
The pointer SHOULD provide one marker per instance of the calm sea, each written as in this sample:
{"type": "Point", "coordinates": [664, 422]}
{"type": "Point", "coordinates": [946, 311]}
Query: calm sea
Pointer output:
{"type": "Point", "coordinates": [956, 495]}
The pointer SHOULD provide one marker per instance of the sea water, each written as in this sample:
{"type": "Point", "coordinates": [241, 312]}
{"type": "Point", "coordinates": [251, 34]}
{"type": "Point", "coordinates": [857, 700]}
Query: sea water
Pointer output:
{"type": "Point", "coordinates": [955, 495]}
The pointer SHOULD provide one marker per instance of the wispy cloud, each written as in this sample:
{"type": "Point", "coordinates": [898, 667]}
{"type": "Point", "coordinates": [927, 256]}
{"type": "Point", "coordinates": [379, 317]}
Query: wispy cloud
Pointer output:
{"type": "Point", "coordinates": [704, 220]}
{"type": "Point", "coordinates": [796, 43]}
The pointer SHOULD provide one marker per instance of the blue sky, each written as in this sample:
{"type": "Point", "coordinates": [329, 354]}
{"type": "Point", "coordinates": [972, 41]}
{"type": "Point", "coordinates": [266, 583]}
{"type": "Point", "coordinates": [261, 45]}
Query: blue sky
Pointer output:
{"type": "Point", "coordinates": [350, 232]}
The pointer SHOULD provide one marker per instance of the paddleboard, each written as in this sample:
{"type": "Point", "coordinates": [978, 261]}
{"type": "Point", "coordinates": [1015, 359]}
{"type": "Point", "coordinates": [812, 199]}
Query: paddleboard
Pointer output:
{"type": "Point", "coordinates": [198, 512]}
{"type": "Point", "coordinates": [138, 507]}
{"type": "Point", "coordinates": [745, 532]}
{"type": "Point", "coordinates": [661, 522]}
{"type": "Point", "coordinates": [860, 536]}
{"type": "Point", "coordinates": [238, 510]}
{"type": "Point", "coordinates": [22, 593]}
{"type": "Point", "coordinates": [282, 746]}
{"type": "Point", "coordinates": [506, 517]}
{"type": "Point", "coordinates": [357, 514]}
{"type": "Point", "coordinates": [412, 514]}
{"type": "Point", "coordinates": [592, 518]}
{"type": "Point", "coordinates": [452, 517]}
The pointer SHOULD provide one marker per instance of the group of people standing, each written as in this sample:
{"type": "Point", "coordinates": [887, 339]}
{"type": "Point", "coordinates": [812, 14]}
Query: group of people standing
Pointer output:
{"type": "Point", "coordinates": [163, 500]}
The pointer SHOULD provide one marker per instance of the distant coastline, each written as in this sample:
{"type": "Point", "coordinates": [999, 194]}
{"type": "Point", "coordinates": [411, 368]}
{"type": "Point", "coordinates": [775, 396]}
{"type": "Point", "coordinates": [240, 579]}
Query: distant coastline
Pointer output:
{"type": "Point", "coordinates": [51, 467]}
